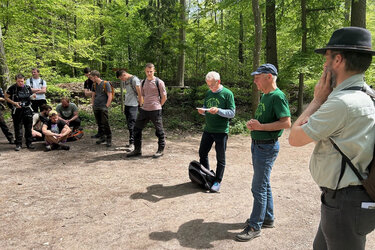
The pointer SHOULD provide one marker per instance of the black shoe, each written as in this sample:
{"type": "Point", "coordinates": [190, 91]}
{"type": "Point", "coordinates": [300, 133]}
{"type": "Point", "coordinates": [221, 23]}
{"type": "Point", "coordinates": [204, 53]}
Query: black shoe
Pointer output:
{"type": "Point", "coordinates": [134, 153]}
{"type": "Point", "coordinates": [247, 234]}
{"type": "Point", "coordinates": [158, 154]}
{"type": "Point", "coordinates": [11, 141]}
{"type": "Point", "coordinates": [18, 148]}
{"type": "Point", "coordinates": [64, 147]}
{"type": "Point", "coordinates": [96, 136]}
{"type": "Point", "coordinates": [30, 146]}
{"type": "Point", "coordinates": [108, 144]}
{"type": "Point", "coordinates": [101, 140]}
{"type": "Point", "coordinates": [268, 224]}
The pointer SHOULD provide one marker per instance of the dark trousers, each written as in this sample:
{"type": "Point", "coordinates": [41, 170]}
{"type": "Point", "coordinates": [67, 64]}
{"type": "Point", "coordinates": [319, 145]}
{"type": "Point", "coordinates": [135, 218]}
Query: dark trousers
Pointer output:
{"type": "Point", "coordinates": [344, 223]}
{"type": "Point", "coordinates": [23, 116]}
{"type": "Point", "coordinates": [143, 118]}
{"type": "Point", "coordinates": [131, 117]}
{"type": "Point", "coordinates": [75, 123]}
{"type": "Point", "coordinates": [101, 117]}
{"type": "Point", "coordinates": [36, 104]}
{"type": "Point", "coordinates": [220, 140]}
{"type": "Point", "coordinates": [5, 128]}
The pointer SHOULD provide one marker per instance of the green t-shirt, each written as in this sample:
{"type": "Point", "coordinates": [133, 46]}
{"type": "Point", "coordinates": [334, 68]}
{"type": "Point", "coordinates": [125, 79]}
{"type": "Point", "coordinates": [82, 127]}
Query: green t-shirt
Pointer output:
{"type": "Point", "coordinates": [224, 100]}
{"type": "Point", "coordinates": [271, 108]}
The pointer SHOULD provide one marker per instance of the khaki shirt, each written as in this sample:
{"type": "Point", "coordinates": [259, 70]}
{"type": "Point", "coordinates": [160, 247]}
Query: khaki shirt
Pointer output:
{"type": "Point", "coordinates": [348, 117]}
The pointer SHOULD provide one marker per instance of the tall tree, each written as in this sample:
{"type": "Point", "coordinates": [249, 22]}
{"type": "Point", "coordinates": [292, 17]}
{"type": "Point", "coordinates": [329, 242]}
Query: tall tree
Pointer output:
{"type": "Point", "coordinates": [304, 50]}
{"type": "Point", "coordinates": [4, 71]}
{"type": "Point", "coordinates": [240, 45]}
{"type": "Point", "coordinates": [256, 51]}
{"type": "Point", "coordinates": [358, 16]}
{"type": "Point", "coordinates": [182, 31]}
{"type": "Point", "coordinates": [271, 41]}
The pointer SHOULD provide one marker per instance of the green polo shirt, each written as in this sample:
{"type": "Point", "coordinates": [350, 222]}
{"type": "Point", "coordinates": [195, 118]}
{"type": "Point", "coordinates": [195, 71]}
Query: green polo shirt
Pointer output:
{"type": "Point", "coordinates": [348, 117]}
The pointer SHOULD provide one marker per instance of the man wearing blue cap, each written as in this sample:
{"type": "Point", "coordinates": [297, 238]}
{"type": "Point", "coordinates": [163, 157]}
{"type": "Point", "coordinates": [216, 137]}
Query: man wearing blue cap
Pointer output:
{"type": "Point", "coordinates": [342, 114]}
{"type": "Point", "coordinates": [271, 118]}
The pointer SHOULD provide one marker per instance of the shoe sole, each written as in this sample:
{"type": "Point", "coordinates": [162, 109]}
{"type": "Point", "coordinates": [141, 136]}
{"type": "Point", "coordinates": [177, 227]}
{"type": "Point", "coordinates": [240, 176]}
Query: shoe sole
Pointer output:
{"type": "Point", "coordinates": [245, 240]}
{"type": "Point", "coordinates": [158, 156]}
{"type": "Point", "coordinates": [133, 155]}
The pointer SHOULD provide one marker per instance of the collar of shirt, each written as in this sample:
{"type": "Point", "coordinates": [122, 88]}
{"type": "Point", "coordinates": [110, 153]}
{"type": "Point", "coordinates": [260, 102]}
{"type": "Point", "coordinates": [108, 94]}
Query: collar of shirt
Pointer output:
{"type": "Point", "coordinates": [355, 80]}
{"type": "Point", "coordinates": [220, 89]}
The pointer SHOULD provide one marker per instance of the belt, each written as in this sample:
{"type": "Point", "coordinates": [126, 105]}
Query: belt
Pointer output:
{"type": "Point", "coordinates": [348, 188]}
{"type": "Point", "coordinates": [271, 141]}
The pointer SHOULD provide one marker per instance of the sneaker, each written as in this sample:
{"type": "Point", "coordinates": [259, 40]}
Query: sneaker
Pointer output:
{"type": "Point", "coordinates": [108, 144]}
{"type": "Point", "coordinates": [18, 148]}
{"type": "Point", "coordinates": [247, 234]}
{"type": "Point", "coordinates": [101, 140]}
{"type": "Point", "coordinates": [134, 153]}
{"type": "Point", "coordinates": [64, 147]}
{"type": "Point", "coordinates": [215, 187]}
{"type": "Point", "coordinates": [129, 147]}
{"type": "Point", "coordinates": [268, 224]}
{"type": "Point", "coordinates": [96, 136]}
{"type": "Point", "coordinates": [30, 146]}
{"type": "Point", "coordinates": [158, 154]}
{"type": "Point", "coordinates": [48, 148]}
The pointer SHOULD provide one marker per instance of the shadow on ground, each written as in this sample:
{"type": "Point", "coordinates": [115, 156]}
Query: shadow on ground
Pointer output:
{"type": "Point", "coordinates": [199, 234]}
{"type": "Point", "coordinates": [159, 192]}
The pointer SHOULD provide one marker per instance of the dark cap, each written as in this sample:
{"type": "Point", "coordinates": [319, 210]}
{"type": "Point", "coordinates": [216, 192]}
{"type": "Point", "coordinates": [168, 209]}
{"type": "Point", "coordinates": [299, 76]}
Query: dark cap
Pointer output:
{"type": "Point", "coordinates": [354, 39]}
{"type": "Point", "coordinates": [266, 69]}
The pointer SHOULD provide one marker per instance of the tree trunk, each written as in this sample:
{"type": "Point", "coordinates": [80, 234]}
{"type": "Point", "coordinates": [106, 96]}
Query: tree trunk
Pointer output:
{"type": "Point", "coordinates": [347, 12]}
{"type": "Point", "coordinates": [4, 71]}
{"type": "Point", "coordinates": [240, 47]}
{"type": "Point", "coordinates": [304, 50]}
{"type": "Point", "coordinates": [256, 51]}
{"type": "Point", "coordinates": [358, 17]}
{"type": "Point", "coordinates": [181, 60]}
{"type": "Point", "coordinates": [271, 41]}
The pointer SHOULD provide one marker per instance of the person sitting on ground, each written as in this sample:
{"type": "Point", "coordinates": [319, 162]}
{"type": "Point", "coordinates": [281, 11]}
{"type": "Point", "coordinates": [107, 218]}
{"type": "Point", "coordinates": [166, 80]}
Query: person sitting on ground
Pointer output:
{"type": "Point", "coordinates": [56, 132]}
{"type": "Point", "coordinates": [68, 112]}
{"type": "Point", "coordinates": [38, 120]}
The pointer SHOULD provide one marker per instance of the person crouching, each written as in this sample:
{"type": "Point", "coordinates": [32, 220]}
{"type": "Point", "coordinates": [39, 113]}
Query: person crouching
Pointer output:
{"type": "Point", "coordinates": [56, 132]}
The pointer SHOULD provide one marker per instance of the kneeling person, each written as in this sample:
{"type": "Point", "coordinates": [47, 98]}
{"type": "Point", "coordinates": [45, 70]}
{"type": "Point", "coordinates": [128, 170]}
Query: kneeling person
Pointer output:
{"type": "Point", "coordinates": [68, 112]}
{"type": "Point", "coordinates": [56, 132]}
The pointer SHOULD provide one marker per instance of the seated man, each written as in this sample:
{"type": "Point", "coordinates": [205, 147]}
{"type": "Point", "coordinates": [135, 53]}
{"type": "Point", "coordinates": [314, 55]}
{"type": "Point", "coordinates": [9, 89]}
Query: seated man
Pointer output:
{"type": "Point", "coordinates": [38, 120]}
{"type": "Point", "coordinates": [68, 112]}
{"type": "Point", "coordinates": [56, 132]}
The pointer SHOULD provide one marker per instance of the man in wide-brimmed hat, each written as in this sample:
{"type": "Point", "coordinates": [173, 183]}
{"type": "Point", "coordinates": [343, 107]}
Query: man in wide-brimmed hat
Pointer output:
{"type": "Point", "coordinates": [343, 113]}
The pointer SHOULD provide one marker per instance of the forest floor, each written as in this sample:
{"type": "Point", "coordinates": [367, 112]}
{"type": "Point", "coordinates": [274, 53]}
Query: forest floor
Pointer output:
{"type": "Point", "coordinates": [92, 197]}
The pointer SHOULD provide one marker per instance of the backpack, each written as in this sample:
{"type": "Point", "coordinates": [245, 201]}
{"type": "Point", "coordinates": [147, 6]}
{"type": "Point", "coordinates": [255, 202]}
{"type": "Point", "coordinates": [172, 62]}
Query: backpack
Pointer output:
{"type": "Point", "coordinates": [75, 135]}
{"type": "Point", "coordinates": [32, 84]}
{"type": "Point", "coordinates": [156, 83]}
{"type": "Point", "coordinates": [132, 85]}
{"type": "Point", "coordinates": [200, 175]}
{"type": "Point", "coordinates": [369, 183]}
{"type": "Point", "coordinates": [105, 90]}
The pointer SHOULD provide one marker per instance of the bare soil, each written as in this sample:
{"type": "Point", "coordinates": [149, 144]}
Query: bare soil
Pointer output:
{"type": "Point", "coordinates": [92, 197]}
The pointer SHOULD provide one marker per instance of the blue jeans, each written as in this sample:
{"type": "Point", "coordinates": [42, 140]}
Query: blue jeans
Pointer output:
{"type": "Point", "coordinates": [263, 155]}
{"type": "Point", "coordinates": [220, 140]}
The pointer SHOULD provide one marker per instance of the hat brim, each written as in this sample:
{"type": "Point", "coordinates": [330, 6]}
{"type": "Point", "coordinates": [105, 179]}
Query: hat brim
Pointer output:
{"type": "Point", "coordinates": [354, 49]}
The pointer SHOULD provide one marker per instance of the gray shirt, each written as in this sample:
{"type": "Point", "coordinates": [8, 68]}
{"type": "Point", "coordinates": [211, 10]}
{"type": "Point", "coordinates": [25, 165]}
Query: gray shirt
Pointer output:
{"type": "Point", "coordinates": [101, 96]}
{"type": "Point", "coordinates": [348, 117]}
{"type": "Point", "coordinates": [68, 112]}
{"type": "Point", "coordinates": [131, 97]}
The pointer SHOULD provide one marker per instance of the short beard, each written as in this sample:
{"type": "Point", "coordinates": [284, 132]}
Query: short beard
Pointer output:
{"type": "Point", "coordinates": [333, 81]}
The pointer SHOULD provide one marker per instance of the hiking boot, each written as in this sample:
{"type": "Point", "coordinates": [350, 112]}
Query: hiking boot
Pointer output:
{"type": "Point", "coordinates": [247, 234]}
{"type": "Point", "coordinates": [18, 148]}
{"type": "Point", "coordinates": [101, 140]}
{"type": "Point", "coordinates": [48, 148]}
{"type": "Point", "coordinates": [96, 136]}
{"type": "Point", "coordinates": [134, 153]}
{"type": "Point", "coordinates": [109, 142]}
{"type": "Point", "coordinates": [215, 187]}
{"type": "Point", "coordinates": [158, 154]}
{"type": "Point", "coordinates": [64, 147]}
{"type": "Point", "coordinates": [129, 147]}
{"type": "Point", "coordinates": [30, 146]}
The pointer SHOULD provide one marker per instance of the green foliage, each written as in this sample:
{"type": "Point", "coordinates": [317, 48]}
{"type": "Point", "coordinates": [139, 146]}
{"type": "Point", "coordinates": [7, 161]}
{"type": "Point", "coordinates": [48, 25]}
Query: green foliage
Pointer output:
{"type": "Point", "coordinates": [238, 126]}
{"type": "Point", "coordinates": [56, 92]}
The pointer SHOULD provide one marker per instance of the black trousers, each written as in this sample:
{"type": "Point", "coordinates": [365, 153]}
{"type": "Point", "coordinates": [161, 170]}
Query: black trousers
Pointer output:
{"type": "Point", "coordinates": [36, 104]}
{"type": "Point", "coordinates": [23, 117]}
{"type": "Point", "coordinates": [4, 127]}
{"type": "Point", "coordinates": [143, 118]}
{"type": "Point", "coordinates": [101, 117]}
{"type": "Point", "coordinates": [131, 117]}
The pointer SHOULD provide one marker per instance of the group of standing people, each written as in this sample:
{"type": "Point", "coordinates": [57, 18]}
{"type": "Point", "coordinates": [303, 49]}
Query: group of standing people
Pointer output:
{"type": "Point", "coordinates": [340, 112]}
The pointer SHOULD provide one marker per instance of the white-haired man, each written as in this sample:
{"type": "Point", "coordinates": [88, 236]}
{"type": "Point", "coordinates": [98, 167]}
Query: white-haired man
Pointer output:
{"type": "Point", "coordinates": [218, 108]}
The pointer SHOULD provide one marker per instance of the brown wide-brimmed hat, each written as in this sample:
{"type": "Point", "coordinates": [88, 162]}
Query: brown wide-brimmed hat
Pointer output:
{"type": "Point", "coordinates": [354, 39]}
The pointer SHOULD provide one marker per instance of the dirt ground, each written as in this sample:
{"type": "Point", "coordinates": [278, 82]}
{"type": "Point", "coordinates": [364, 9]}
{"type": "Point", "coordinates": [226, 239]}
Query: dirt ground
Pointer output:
{"type": "Point", "coordinates": [92, 197]}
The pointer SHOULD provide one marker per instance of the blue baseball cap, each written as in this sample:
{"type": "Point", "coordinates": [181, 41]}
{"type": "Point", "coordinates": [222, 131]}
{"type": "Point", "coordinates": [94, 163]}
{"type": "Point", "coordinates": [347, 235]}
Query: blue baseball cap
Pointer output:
{"type": "Point", "coordinates": [266, 69]}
